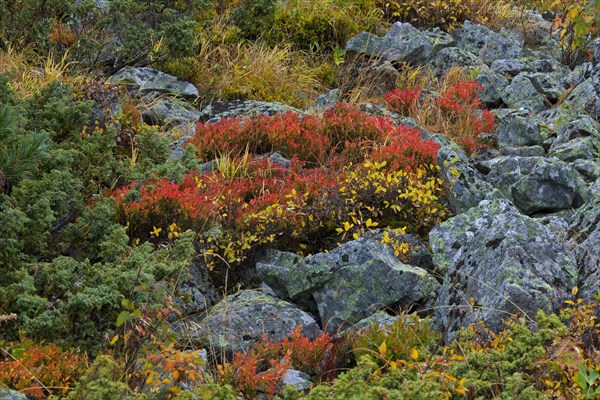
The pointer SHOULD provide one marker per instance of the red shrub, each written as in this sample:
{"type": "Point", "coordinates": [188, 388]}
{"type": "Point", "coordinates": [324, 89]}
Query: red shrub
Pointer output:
{"type": "Point", "coordinates": [403, 100]}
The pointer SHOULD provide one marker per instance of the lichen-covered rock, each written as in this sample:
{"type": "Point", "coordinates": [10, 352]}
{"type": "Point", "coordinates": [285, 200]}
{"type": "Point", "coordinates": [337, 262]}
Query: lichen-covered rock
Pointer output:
{"type": "Point", "coordinates": [588, 168]}
{"type": "Point", "coordinates": [551, 185]}
{"type": "Point", "coordinates": [449, 57]}
{"type": "Point", "coordinates": [518, 129]}
{"type": "Point", "coordinates": [242, 109]}
{"type": "Point", "coordinates": [525, 151]}
{"type": "Point", "coordinates": [493, 85]}
{"type": "Point", "coordinates": [538, 63]}
{"type": "Point", "coordinates": [465, 185]}
{"type": "Point", "coordinates": [504, 171]}
{"type": "Point", "coordinates": [327, 100]}
{"type": "Point", "coordinates": [298, 379]}
{"type": "Point", "coordinates": [380, 318]}
{"type": "Point", "coordinates": [8, 394]}
{"type": "Point", "coordinates": [402, 43]}
{"type": "Point", "coordinates": [146, 80]}
{"type": "Point", "coordinates": [585, 236]}
{"type": "Point", "coordinates": [499, 262]}
{"type": "Point", "coordinates": [522, 94]}
{"type": "Point", "coordinates": [167, 111]}
{"type": "Point", "coordinates": [551, 85]}
{"type": "Point", "coordinates": [487, 44]}
{"type": "Point", "coordinates": [352, 281]}
{"type": "Point", "coordinates": [572, 126]}
{"type": "Point", "coordinates": [239, 321]}
{"type": "Point", "coordinates": [583, 148]}
{"type": "Point", "coordinates": [584, 98]}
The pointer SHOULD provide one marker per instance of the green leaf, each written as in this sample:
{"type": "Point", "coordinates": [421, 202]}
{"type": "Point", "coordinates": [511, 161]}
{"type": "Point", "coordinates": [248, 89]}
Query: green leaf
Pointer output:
{"type": "Point", "coordinates": [122, 318]}
{"type": "Point", "coordinates": [127, 304]}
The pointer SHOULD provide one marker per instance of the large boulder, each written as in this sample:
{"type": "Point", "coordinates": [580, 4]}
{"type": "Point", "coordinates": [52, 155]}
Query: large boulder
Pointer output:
{"type": "Point", "coordinates": [167, 111]}
{"type": "Point", "coordinates": [551, 185]}
{"type": "Point", "coordinates": [521, 93]}
{"type": "Point", "coordinates": [242, 109]}
{"type": "Point", "coordinates": [352, 282]}
{"type": "Point", "coordinates": [8, 394]}
{"type": "Point", "coordinates": [498, 262]}
{"type": "Point", "coordinates": [146, 80]}
{"type": "Point", "coordinates": [493, 85]}
{"type": "Point", "coordinates": [465, 186]}
{"type": "Point", "coordinates": [518, 128]}
{"type": "Point", "coordinates": [403, 43]}
{"type": "Point", "coordinates": [487, 44]}
{"type": "Point", "coordinates": [241, 320]}
{"type": "Point", "coordinates": [450, 57]}
{"type": "Point", "coordinates": [585, 236]}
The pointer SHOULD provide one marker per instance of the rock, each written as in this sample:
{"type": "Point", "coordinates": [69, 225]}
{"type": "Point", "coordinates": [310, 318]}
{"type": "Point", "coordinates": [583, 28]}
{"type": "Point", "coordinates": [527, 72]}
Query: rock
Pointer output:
{"type": "Point", "coordinates": [487, 44]}
{"type": "Point", "coordinates": [239, 321]}
{"type": "Point", "coordinates": [518, 128]}
{"type": "Point", "coordinates": [275, 159]}
{"type": "Point", "coordinates": [551, 185]}
{"type": "Point", "coordinates": [196, 293]}
{"type": "Point", "coordinates": [450, 57]}
{"type": "Point", "coordinates": [588, 168]}
{"type": "Point", "coordinates": [327, 100]}
{"type": "Point", "coordinates": [584, 148]}
{"type": "Point", "coordinates": [571, 127]}
{"type": "Point", "coordinates": [503, 172]}
{"type": "Point", "coordinates": [299, 380]}
{"type": "Point", "coordinates": [146, 80]}
{"type": "Point", "coordinates": [379, 111]}
{"type": "Point", "coordinates": [465, 186]}
{"type": "Point", "coordinates": [242, 109]}
{"type": "Point", "coordinates": [551, 85]}
{"type": "Point", "coordinates": [380, 318]}
{"type": "Point", "coordinates": [376, 77]}
{"type": "Point", "coordinates": [595, 47]}
{"type": "Point", "coordinates": [522, 94]}
{"type": "Point", "coordinates": [579, 74]}
{"type": "Point", "coordinates": [510, 67]}
{"type": "Point", "coordinates": [499, 262]}
{"type": "Point", "coordinates": [493, 85]}
{"type": "Point", "coordinates": [584, 98]}
{"type": "Point", "coordinates": [167, 111]}
{"type": "Point", "coordinates": [418, 254]}
{"type": "Point", "coordinates": [352, 281]}
{"type": "Point", "coordinates": [403, 43]}
{"type": "Point", "coordinates": [8, 394]}
{"type": "Point", "coordinates": [526, 151]}
{"type": "Point", "coordinates": [585, 236]}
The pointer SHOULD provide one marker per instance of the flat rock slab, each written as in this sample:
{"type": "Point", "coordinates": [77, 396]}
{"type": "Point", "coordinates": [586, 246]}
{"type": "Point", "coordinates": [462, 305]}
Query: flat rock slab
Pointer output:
{"type": "Point", "coordinates": [146, 80]}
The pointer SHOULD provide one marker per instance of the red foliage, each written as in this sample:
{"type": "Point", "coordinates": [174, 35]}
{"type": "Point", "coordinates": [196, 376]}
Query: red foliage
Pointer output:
{"type": "Point", "coordinates": [403, 100]}
{"type": "Point", "coordinates": [252, 373]}
{"type": "Point", "coordinates": [406, 150]}
{"type": "Point", "coordinates": [315, 357]}
{"type": "Point", "coordinates": [41, 369]}
{"type": "Point", "coordinates": [460, 97]}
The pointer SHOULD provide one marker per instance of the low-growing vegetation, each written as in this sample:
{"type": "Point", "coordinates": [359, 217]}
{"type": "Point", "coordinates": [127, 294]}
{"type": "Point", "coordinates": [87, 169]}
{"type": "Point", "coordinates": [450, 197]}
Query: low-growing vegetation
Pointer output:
{"type": "Point", "coordinates": [105, 219]}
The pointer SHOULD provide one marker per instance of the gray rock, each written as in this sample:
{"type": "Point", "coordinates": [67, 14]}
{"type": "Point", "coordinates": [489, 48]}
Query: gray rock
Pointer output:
{"type": "Point", "coordinates": [403, 43]}
{"type": "Point", "coordinates": [242, 109]}
{"type": "Point", "coordinates": [500, 261]}
{"type": "Point", "coordinates": [503, 172]}
{"type": "Point", "coordinates": [584, 148]}
{"type": "Point", "coordinates": [573, 126]}
{"type": "Point", "coordinates": [493, 85]}
{"type": "Point", "coordinates": [196, 293]}
{"type": "Point", "coordinates": [380, 318]}
{"type": "Point", "coordinates": [551, 85]}
{"type": "Point", "coordinates": [487, 44]}
{"type": "Point", "coordinates": [465, 186]}
{"type": "Point", "coordinates": [146, 80]}
{"type": "Point", "coordinates": [239, 321]}
{"type": "Point", "coordinates": [298, 380]}
{"type": "Point", "coordinates": [584, 98]}
{"type": "Point", "coordinates": [585, 236]}
{"type": "Point", "coordinates": [588, 168]}
{"type": "Point", "coordinates": [275, 159]}
{"type": "Point", "coordinates": [595, 47]}
{"type": "Point", "coordinates": [8, 394]}
{"type": "Point", "coordinates": [518, 129]}
{"type": "Point", "coordinates": [167, 111]}
{"type": "Point", "coordinates": [522, 94]}
{"type": "Point", "coordinates": [551, 185]}
{"type": "Point", "coordinates": [526, 151]}
{"type": "Point", "coordinates": [327, 100]}
{"type": "Point", "coordinates": [532, 64]}
{"type": "Point", "coordinates": [352, 281]}
{"type": "Point", "coordinates": [579, 74]}
{"type": "Point", "coordinates": [450, 57]}
{"type": "Point", "coordinates": [509, 67]}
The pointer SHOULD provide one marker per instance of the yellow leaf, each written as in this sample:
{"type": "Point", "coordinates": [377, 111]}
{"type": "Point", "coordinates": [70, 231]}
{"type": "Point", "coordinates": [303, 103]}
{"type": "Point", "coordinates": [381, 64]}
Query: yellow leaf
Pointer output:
{"type": "Point", "coordinates": [175, 374]}
{"type": "Point", "coordinates": [383, 348]}
{"type": "Point", "coordinates": [575, 290]}
{"type": "Point", "coordinates": [414, 354]}
{"type": "Point", "coordinates": [114, 339]}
